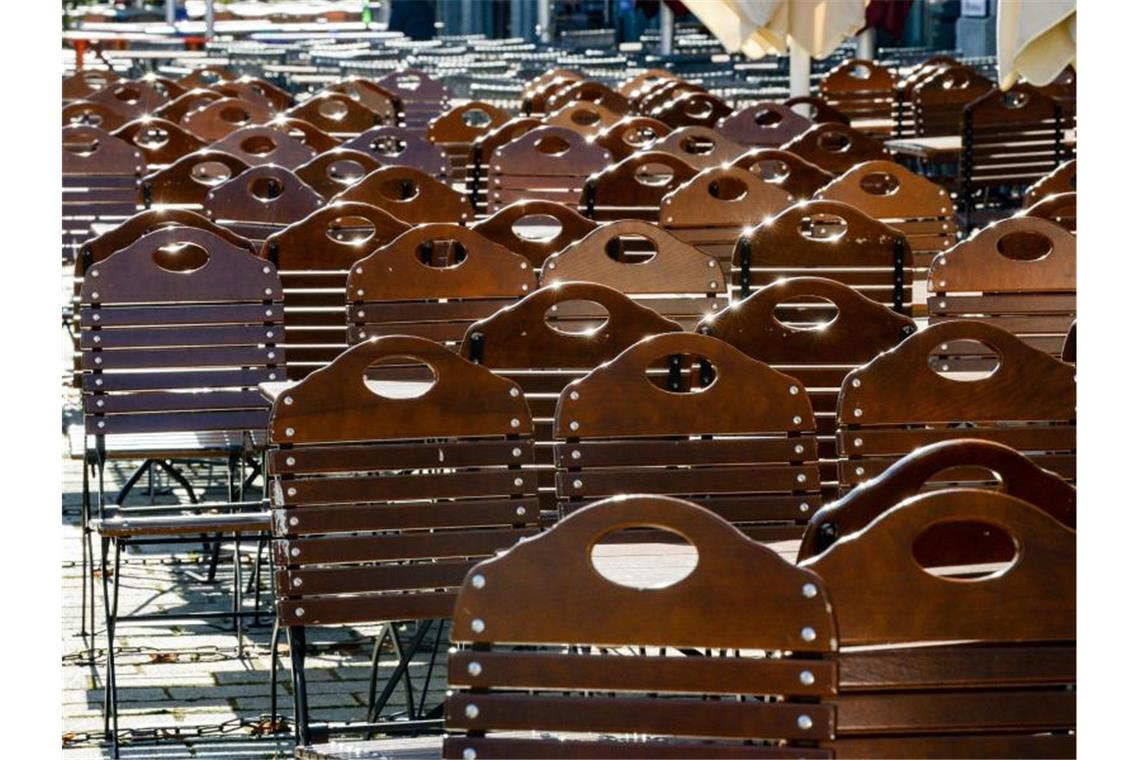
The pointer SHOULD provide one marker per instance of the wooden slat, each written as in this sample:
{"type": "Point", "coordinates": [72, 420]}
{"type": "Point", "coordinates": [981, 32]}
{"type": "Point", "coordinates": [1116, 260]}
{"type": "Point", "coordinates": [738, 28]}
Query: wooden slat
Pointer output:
{"type": "Point", "coordinates": [392, 547]}
{"type": "Point", "coordinates": [430, 485]}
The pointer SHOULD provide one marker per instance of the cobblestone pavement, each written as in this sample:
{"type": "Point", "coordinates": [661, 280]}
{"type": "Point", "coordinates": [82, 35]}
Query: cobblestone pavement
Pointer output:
{"type": "Point", "coordinates": [185, 674]}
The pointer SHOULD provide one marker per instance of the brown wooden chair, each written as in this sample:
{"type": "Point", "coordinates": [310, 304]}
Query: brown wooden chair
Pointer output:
{"type": "Point", "coordinates": [101, 176]}
{"type": "Point", "coordinates": [861, 89]}
{"type": "Point", "coordinates": [912, 396]}
{"type": "Point", "coordinates": [631, 134]}
{"type": "Point", "coordinates": [400, 146]}
{"type": "Point", "coordinates": [688, 415]}
{"type": "Point", "coordinates": [386, 104]}
{"type": "Point", "coordinates": [384, 496]}
{"type": "Point", "coordinates": [86, 82]}
{"type": "Point", "coordinates": [587, 91]}
{"type": "Point", "coordinates": [786, 170]}
{"type": "Point", "coordinates": [260, 201]}
{"type": "Point", "coordinates": [765, 125]}
{"type": "Point", "coordinates": [962, 462]}
{"type": "Point", "coordinates": [634, 187]}
{"type": "Point", "coordinates": [1019, 274]}
{"type": "Point", "coordinates": [550, 163]}
{"type": "Point", "coordinates": [433, 281]}
{"type": "Point", "coordinates": [161, 142]}
{"type": "Point", "coordinates": [828, 239]}
{"type": "Point", "coordinates": [836, 147]}
{"type": "Point", "coordinates": [483, 149]}
{"type": "Point", "coordinates": [409, 195]}
{"type": "Point", "coordinates": [313, 258]}
{"type": "Point", "coordinates": [262, 145]}
{"type": "Point", "coordinates": [944, 661]}
{"type": "Point", "coordinates": [552, 337]}
{"type": "Point", "coordinates": [1069, 351]}
{"type": "Point", "coordinates": [299, 129]}
{"type": "Point", "coordinates": [700, 147]}
{"type": "Point", "coordinates": [912, 204]}
{"type": "Point", "coordinates": [219, 117]}
{"type": "Point", "coordinates": [1060, 209]}
{"type": "Point", "coordinates": [817, 109]}
{"type": "Point", "coordinates": [129, 98]}
{"type": "Point", "coordinates": [691, 109]}
{"type": "Point", "coordinates": [535, 229]}
{"type": "Point", "coordinates": [457, 130]}
{"type": "Point", "coordinates": [815, 330]}
{"type": "Point", "coordinates": [714, 208]}
{"type": "Point", "coordinates": [647, 264]}
{"type": "Point", "coordinates": [340, 114]}
{"type": "Point", "coordinates": [335, 170]}
{"type": "Point", "coordinates": [421, 97]}
{"type": "Point", "coordinates": [186, 182]}
{"type": "Point", "coordinates": [940, 99]}
{"type": "Point", "coordinates": [586, 118]}
{"type": "Point", "coordinates": [558, 660]}
{"type": "Point", "coordinates": [84, 113]}
{"type": "Point", "coordinates": [191, 100]}
{"type": "Point", "coordinates": [253, 88]}
{"type": "Point", "coordinates": [1063, 179]}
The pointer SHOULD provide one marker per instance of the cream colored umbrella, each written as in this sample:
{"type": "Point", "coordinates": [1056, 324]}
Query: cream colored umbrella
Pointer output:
{"type": "Point", "coordinates": [1036, 40]}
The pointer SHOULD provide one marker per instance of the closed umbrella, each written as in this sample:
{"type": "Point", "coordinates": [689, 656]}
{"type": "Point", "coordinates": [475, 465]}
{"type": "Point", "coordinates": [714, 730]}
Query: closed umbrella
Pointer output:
{"type": "Point", "coordinates": [1036, 40]}
{"type": "Point", "coordinates": [762, 27]}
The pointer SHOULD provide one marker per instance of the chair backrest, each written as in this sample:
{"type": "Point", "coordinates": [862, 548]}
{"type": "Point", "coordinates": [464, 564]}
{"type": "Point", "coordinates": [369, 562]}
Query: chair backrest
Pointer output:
{"type": "Point", "coordinates": [383, 498]}
{"type": "Point", "coordinates": [631, 134]}
{"type": "Point", "coordinates": [433, 281]}
{"type": "Point", "coordinates": [299, 129]}
{"type": "Point", "coordinates": [634, 187]}
{"type": "Point", "coordinates": [836, 147]}
{"type": "Point", "coordinates": [339, 114]}
{"type": "Point", "coordinates": [710, 211]}
{"type": "Point", "coordinates": [482, 150]}
{"type": "Point", "coordinates": [691, 109]}
{"type": "Point", "coordinates": [538, 659]}
{"type": "Point", "coordinates": [334, 171]}
{"type": "Point", "coordinates": [1069, 351]}
{"type": "Point", "coordinates": [457, 130]}
{"type": "Point", "coordinates": [947, 464]}
{"type": "Point", "coordinates": [1011, 138]}
{"type": "Point", "coordinates": [903, 399]}
{"type": "Point", "coordinates": [896, 196]}
{"type": "Point", "coordinates": [1006, 686]}
{"type": "Point", "coordinates": [940, 99]}
{"type": "Point", "coordinates": [1063, 179]}
{"type": "Point", "coordinates": [1060, 209]}
{"type": "Point", "coordinates": [84, 113]}
{"type": "Point", "coordinates": [401, 146]}
{"type": "Point", "coordinates": [766, 124]}
{"type": "Point", "coordinates": [700, 147]}
{"type": "Point", "coordinates": [186, 182]}
{"type": "Point", "coordinates": [861, 89]}
{"type": "Point", "coordinates": [586, 118]}
{"type": "Point", "coordinates": [687, 415]}
{"type": "Point", "coordinates": [313, 257]}
{"type": "Point", "coordinates": [815, 330]}
{"type": "Point", "coordinates": [785, 170]}
{"type": "Point", "coordinates": [260, 201]}
{"type": "Point", "coordinates": [665, 274]}
{"type": "Point", "coordinates": [178, 310]}
{"type": "Point", "coordinates": [1019, 274]}
{"type": "Point", "coordinates": [161, 142]}
{"type": "Point", "coordinates": [525, 228]}
{"type": "Point", "coordinates": [218, 118]}
{"type": "Point", "coordinates": [817, 110]}
{"type": "Point", "coordinates": [422, 97]}
{"type": "Point", "coordinates": [551, 163]}
{"type": "Point", "coordinates": [587, 91]}
{"type": "Point", "coordinates": [265, 145]}
{"type": "Point", "coordinates": [409, 195]}
{"type": "Point", "coordinates": [376, 98]}
{"type": "Point", "coordinates": [100, 182]}
{"type": "Point", "coordinates": [828, 239]}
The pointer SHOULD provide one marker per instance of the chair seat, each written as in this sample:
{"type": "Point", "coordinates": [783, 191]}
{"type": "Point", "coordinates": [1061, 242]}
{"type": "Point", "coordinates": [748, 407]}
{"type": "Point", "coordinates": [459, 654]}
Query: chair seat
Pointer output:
{"type": "Point", "coordinates": [133, 526]}
{"type": "Point", "coordinates": [181, 445]}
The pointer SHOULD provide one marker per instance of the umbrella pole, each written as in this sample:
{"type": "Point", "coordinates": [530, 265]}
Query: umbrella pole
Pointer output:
{"type": "Point", "coordinates": [668, 28]}
{"type": "Point", "coordinates": [209, 19]}
{"type": "Point", "coordinates": [799, 69]}
{"type": "Point", "coordinates": [865, 44]}
{"type": "Point", "coordinates": [170, 8]}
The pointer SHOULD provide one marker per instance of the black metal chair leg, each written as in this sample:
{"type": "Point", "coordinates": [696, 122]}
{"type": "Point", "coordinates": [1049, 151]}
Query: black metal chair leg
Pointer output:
{"type": "Point", "coordinates": [300, 690]}
{"type": "Point", "coordinates": [178, 478]}
{"type": "Point", "coordinates": [401, 671]}
{"type": "Point", "coordinates": [418, 714]}
{"type": "Point", "coordinates": [132, 481]}
{"type": "Point", "coordinates": [111, 607]}
{"type": "Point", "coordinates": [238, 595]}
{"type": "Point", "coordinates": [385, 631]}
{"type": "Point", "coordinates": [274, 663]}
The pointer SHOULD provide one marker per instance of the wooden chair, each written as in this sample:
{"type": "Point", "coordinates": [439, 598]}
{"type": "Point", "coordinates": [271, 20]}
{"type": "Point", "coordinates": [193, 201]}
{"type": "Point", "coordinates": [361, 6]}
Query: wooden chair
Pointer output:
{"type": "Point", "coordinates": [547, 643]}
{"type": "Point", "coordinates": [457, 130]}
{"type": "Point", "coordinates": [100, 183]}
{"type": "Point", "coordinates": [828, 239]}
{"type": "Point", "coordinates": [971, 462]}
{"type": "Point", "coordinates": [260, 201]}
{"type": "Point", "coordinates": [334, 171]}
{"type": "Point", "coordinates": [371, 95]}
{"type": "Point", "coordinates": [552, 337]}
{"type": "Point", "coordinates": [905, 398]}
{"type": "Point", "coordinates": [433, 281]}
{"type": "Point", "coordinates": [765, 125]}
{"type": "Point", "coordinates": [383, 497]}
{"type": "Point", "coordinates": [836, 147]}
{"type": "Point", "coordinates": [786, 170]}
{"type": "Point", "coordinates": [262, 145]}
{"type": "Point", "coordinates": [691, 109]}
{"type": "Point", "coordinates": [313, 257]}
{"type": "Point", "coordinates": [161, 142]}
{"type": "Point", "coordinates": [218, 118]}
{"type": "Point", "coordinates": [1069, 351]}
{"type": "Point", "coordinates": [550, 163]}
{"type": "Point", "coordinates": [191, 100]}
{"type": "Point", "coordinates": [410, 195]}
{"type": "Point", "coordinates": [1019, 274]}
{"type": "Point", "coordinates": [940, 99]}
{"type": "Point", "coordinates": [340, 114]}
{"type": "Point", "coordinates": [1060, 209]}
{"type": "Point", "coordinates": [130, 99]}
{"type": "Point", "coordinates": [186, 182]}
{"type": "Point", "coordinates": [713, 209]}
{"type": "Point", "coordinates": [586, 91]}
{"type": "Point", "coordinates": [1006, 685]}
{"type": "Point", "coordinates": [861, 89]}
{"type": "Point", "coordinates": [700, 147]}
{"type": "Point", "coordinates": [688, 415]}
{"type": "Point", "coordinates": [586, 118]}
{"type": "Point", "coordinates": [634, 187]}
{"type": "Point", "coordinates": [1063, 179]}
{"type": "Point", "coordinates": [817, 109]}
{"type": "Point", "coordinates": [672, 278]}
{"type": "Point", "coordinates": [631, 134]}
{"type": "Point", "coordinates": [483, 149]}
{"type": "Point", "coordinates": [253, 88]}
{"type": "Point", "coordinates": [84, 113]}
{"type": "Point", "coordinates": [400, 146]}
{"type": "Point", "coordinates": [535, 229]}
{"type": "Point", "coordinates": [299, 129]}
{"type": "Point", "coordinates": [87, 82]}
{"type": "Point", "coordinates": [421, 97]}
{"type": "Point", "coordinates": [815, 330]}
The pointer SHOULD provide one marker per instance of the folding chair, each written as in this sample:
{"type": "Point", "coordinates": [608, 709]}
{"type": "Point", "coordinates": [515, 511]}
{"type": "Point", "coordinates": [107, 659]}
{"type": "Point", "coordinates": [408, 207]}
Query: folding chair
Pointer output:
{"type": "Point", "coordinates": [410, 195]}
{"type": "Point", "coordinates": [535, 229]}
{"type": "Point", "coordinates": [785, 170]}
{"type": "Point", "coordinates": [690, 416]}
{"type": "Point", "coordinates": [482, 150]}
{"type": "Point", "coordinates": [921, 392]}
{"type": "Point", "coordinates": [457, 130]}
{"type": "Point", "coordinates": [764, 125]}
{"type": "Point", "coordinates": [558, 660]}
{"type": "Point", "coordinates": [861, 89]}
{"type": "Point", "coordinates": [836, 147]}
{"type": "Point", "coordinates": [260, 201]}
{"type": "Point", "coordinates": [926, 667]}
{"type": "Point", "coordinates": [1019, 274]}
{"type": "Point", "coordinates": [335, 170]}
{"type": "Point", "coordinates": [186, 182]}
{"type": "Point", "coordinates": [261, 145]}
{"type": "Point", "coordinates": [400, 146]}
{"type": "Point", "coordinates": [100, 183]}
{"type": "Point", "coordinates": [635, 186]}
{"type": "Point", "coordinates": [385, 495]}
{"type": "Point", "coordinates": [551, 163]}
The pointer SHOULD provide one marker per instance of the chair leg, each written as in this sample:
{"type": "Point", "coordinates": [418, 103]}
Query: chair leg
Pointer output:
{"type": "Point", "coordinates": [274, 663]}
{"type": "Point", "coordinates": [401, 671]}
{"type": "Point", "coordinates": [300, 689]}
{"type": "Point", "coordinates": [418, 713]}
{"type": "Point", "coordinates": [110, 686]}
{"type": "Point", "coordinates": [238, 595]}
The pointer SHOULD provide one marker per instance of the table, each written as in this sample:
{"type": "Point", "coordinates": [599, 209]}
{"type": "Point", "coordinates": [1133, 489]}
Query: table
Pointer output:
{"type": "Point", "coordinates": [944, 146]}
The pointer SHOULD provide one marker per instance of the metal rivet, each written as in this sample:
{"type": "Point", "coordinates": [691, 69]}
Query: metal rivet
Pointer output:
{"type": "Point", "coordinates": [525, 286]}
{"type": "Point", "coordinates": [94, 272]}
{"type": "Point", "coordinates": [478, 581]}
{"type": "Point", "coordinates": [712, 264]}
{"type": "Point", "coordinates": [801, 478]}
{"type": "Point", "coordinates": [294, 552]}
{"type": "Point", "coordinates": [810, 591]}
{"type": "Point", "coordinates": [291, 461]}
{"type": "Point", "coordinates": [858, 412]}
{"type": "Point", "coordinates": [474, 668]}
{"type": "Point", "coordinates": [573, 395]}
{"type": "Point", "coordinates": [551, 265]}
{"type": "Point", "coordinates": [99, 403]}
{"type": "Point", "coordinates": [514, 422]}
{"type": "Point", "coordinates": [804, 722]}
{"type": "Point", "coordinates": [294, 521]}
{"type": "Point", "coordinates": [799, 448]}
{"type": "Point", "coordinates": [471, 711]}
{"type": "Point", "coordinates": [101, 424]}
{"type": "Point", "coordinates": [942, 283]}
{"type": "Point", "coordinates": [858, 442]}
{"type": "Point", "coordinates": [360, 270]}
{"type": "Point", "coordinates": [97, 339]}
{"type": "Point", "coordinates": [856, 383]}
{"type": "Point", "coordinates": [804, 506]}
{"type": "Point", "coordinates": [95, 317]}
{"type": "Point", "coordinates": [577, 484]}
{"type": "Point", "coordinates": [516, 452]}
{"type": "Point", "coordinates": [573, 424]}
{"type": "Point", "coordinates": [269, 312]}
{"type": "Point", "coordinates": [360, 314]}
{"type": "Point", "coordinates": [98, 359]}
{"type": "Point", "coordinates": [575, 454]}
{"type": "Point", "coordinates": [360, 292]}
{"type": "Point", "coordinates": [797, 420]}
{"type": "Point", "coordinates": [808, 633]}
{"type": "Point", "coordinates": [297, 582]}
{"type": "Point", "coordinates": [288, 401]}
{"type": "Point", "coordinates": [98, 381]}
{"type": "Point", "coordinates": [94, 295]}
{"type": "Point", "coordinates": [859, 471]}
{"type": "Point", "coordinates": [518, 481]}
{"type": "Point", "coordinates": [269, 334]}
{"type": "Point", "coordinates": [272, 375]}
{"type": "Point", "coordinates": [793, 390]}
{"type": "Point", "coordinates": [807, 678]}
{"type": "Point", "coordinates": [271, 355]}
{"type": "Point", "coordinates": [265, 270]}
{"type": "Point", "coordinates": [300, 612]}
{"type": "Point", "coordinates": [944, 347]}
{"type": "Point", "coordinates": [469, 754]}
{"type": "Point", "coordinates": [292, 491]}
{"type": "Point", "coordinates": [523, 265]}
{"type": "Point", "coordinates": [520, 511]}
{"type": "Point", "coordinates": [477, 625]}
{"type": "Point", "coordinates": [941, 304]}
{"type": "Point", "coordinates": [269, 291]}
{"type": "Point", "coordinates": [361, 334]}
{"type": "Point", "coordinates": [289, 431]}
{"type": "Point", "coordinates": [514, 392]}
